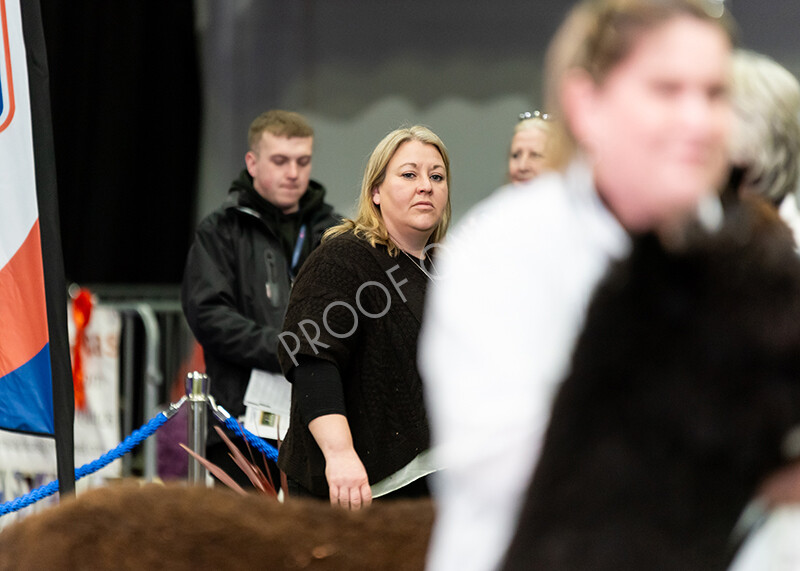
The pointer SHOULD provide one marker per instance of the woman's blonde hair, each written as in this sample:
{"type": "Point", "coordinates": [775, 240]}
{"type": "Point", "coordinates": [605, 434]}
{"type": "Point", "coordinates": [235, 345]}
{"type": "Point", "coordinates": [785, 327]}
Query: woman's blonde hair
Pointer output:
{"type": "Point", "coordinates": [766, 134]}
{"type": "Point", "coordinates": [368, 222]}
{"type": "Point", "coordinates": [598, 35]}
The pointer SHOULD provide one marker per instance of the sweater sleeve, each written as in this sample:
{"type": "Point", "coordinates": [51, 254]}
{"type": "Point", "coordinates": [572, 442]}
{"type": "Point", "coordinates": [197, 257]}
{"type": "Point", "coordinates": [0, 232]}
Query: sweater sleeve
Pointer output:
{"type": "Point", "coordinates": [317, 388]}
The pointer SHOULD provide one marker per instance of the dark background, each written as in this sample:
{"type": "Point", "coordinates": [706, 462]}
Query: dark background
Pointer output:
{"type": "Point", "coordinates": [125, 97]}
{"type": "Point", "coordinates": [137, 84]}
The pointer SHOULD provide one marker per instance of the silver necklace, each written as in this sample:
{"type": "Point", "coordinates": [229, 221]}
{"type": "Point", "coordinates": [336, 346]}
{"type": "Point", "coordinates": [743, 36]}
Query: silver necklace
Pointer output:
{"type": "Point", "coordinates": [420, 265]}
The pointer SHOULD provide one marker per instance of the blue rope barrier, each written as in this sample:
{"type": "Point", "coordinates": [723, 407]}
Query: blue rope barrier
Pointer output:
{"type": "Point", "coordinates": [131, 442]}
{"type": "Point", "coordinates": [256, 442]}
{"type": "Point", "coordinates": [135, 439]}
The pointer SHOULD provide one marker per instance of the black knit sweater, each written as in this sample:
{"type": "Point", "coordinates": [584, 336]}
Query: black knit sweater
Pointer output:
{"type": "Point", "coordinates": [376, 356]}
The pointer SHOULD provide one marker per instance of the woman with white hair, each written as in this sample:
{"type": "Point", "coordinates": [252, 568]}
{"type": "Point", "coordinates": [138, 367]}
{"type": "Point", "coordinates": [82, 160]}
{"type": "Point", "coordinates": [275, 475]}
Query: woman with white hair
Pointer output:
{"type": "Point", "coordinates": [765, 139]}
{"type": "Point", "coordinates": [528, 153]}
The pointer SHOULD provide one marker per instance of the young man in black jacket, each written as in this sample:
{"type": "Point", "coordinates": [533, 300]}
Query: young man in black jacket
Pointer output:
{"type": "Point", "coordinates": [244, 257]}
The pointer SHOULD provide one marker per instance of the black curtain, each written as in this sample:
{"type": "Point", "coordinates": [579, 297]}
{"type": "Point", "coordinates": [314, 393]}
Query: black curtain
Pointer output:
{"type": "Point", "coordinates": [126, 119]}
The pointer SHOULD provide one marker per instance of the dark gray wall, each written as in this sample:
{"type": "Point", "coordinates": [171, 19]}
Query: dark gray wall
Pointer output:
{"type": "Point", "coordinates": [359, 69]}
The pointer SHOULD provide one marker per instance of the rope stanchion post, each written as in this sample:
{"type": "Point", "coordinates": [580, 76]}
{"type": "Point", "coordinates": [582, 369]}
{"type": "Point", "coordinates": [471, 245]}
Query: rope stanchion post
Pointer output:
{"type": "Point", "coordinates": [197, 394]}
{"type": "Point", "coordinates": [197, 387]}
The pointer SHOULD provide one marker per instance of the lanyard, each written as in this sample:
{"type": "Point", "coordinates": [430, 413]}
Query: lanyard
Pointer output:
{"type": "Point", "coordinates": [298, 248]}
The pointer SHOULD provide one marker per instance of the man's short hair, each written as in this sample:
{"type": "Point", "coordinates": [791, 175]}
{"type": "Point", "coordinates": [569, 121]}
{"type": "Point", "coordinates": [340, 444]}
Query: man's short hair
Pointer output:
{"type": "Point", "coordinates": [280, 123]}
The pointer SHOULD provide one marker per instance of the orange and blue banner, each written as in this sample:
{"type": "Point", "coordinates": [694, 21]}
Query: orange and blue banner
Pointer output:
{"type": "Point", "coordinates": [35, 379]}
{"type": "Point", "coordinates": [26, 395]}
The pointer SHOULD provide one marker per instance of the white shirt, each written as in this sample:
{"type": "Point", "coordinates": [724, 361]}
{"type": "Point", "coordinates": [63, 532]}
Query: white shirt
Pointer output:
{"type": "Point", "coordinates": [790, 213]}
{"type": "Point", "coordinates": [500, 325]}
{"type": "Point", "coordinates": [774, 547]}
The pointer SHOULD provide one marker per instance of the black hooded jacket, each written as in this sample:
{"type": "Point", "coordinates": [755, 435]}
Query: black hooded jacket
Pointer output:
{"type": "Point", "coordinates": [237, 281]}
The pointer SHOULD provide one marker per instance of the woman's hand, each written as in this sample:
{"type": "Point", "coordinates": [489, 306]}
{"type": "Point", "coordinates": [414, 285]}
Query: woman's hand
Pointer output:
{"type": "Point", "coordinates": [346, 475]}
{"type": "Point", "coordinates": [347, 480]}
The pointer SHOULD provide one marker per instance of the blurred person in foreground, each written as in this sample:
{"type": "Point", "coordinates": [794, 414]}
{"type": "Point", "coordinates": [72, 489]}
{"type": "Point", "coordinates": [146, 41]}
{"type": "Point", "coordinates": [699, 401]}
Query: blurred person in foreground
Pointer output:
{"type": "Point", "coordinates": [640, 89]}
{"type": "Point", "coordinates": [765, 154]}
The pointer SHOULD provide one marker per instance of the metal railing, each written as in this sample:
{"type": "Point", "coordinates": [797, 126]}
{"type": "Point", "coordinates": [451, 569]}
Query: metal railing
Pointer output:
{"type": "Point", "coordinates": [149, 355]}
